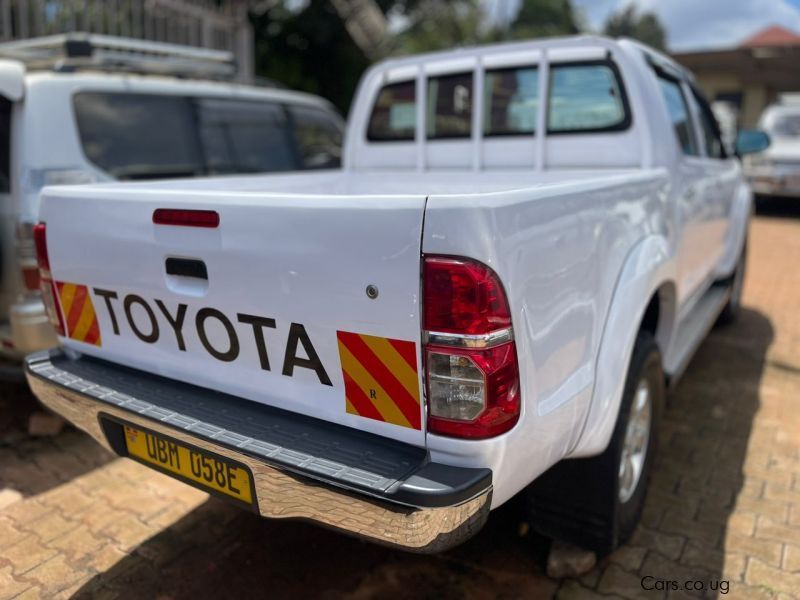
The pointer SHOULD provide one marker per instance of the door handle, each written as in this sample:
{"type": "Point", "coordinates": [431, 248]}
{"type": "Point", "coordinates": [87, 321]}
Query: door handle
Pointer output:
{"type": "Point", "coordinates": [187, 267]}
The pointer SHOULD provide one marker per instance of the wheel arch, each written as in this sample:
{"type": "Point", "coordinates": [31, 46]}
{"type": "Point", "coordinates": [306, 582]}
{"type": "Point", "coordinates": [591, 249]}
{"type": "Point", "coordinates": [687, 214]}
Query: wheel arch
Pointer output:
{"type": "Point", "coordinates": [645, 297]}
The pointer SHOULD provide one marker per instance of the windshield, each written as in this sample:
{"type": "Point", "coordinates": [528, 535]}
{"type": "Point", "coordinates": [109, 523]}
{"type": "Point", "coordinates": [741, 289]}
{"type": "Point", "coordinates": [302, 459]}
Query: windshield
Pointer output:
{"type": "Point", "coordinates": [151, 136]}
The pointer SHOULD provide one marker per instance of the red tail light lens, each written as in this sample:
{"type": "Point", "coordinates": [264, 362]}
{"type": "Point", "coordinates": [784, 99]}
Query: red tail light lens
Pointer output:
{"type": "Point", "coordinates": [472, 377]}
{"type": "Point", "coordinates": [30, 277]}
{"type": "Point", "coordinates": [40, 241]}
{"type": "Point", "coordinates": [186, 218]}
{"type": "Point", "coordinates": [46, 283]}
{"type": "Point", "coordinates": [463, 296]}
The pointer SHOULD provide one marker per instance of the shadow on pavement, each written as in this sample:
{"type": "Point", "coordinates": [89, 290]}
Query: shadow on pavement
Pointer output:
{"type": "Point", "coordinates": [217, 550]}
{"type": "Point", "coordinates": [698, 478]}
{"type": "Point", "coordinates": [33, 465]}
{"type": "Point", "coordinates": [775, 206]}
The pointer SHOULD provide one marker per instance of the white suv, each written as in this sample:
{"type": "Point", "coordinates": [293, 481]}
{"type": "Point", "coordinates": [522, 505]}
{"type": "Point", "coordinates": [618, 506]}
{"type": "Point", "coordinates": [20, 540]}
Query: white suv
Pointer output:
{"type": "Point", "coordinates": [72, 121]}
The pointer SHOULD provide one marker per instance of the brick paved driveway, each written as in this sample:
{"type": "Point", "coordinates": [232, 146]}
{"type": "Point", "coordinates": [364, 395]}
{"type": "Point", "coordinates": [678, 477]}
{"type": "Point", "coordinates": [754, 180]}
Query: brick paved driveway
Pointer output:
{"type": "Point", "coordinates": [724, 504]}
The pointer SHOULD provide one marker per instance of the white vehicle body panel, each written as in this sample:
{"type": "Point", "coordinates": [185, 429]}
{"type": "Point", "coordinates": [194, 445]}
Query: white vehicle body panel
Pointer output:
{"type": "Point", "coordinates": [776, 170]}
{"type": "Point", "coordinates": [46, 149]}
{"type": "Point", "coordinates": [583, 230]}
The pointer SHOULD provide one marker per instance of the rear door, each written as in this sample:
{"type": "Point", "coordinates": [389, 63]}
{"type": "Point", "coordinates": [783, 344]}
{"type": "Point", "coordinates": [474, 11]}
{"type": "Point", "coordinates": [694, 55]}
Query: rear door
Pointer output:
{"type": "Point", "coordinates": [723, 172]}
{"type": "Point", "coordinates": [307, 303]}
{"type": "Point", "coordinates": [694, 184]}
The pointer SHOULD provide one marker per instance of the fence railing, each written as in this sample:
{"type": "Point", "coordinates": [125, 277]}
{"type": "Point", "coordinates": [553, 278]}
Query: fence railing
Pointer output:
{"type": "Point", "coordinates": [218, 25]}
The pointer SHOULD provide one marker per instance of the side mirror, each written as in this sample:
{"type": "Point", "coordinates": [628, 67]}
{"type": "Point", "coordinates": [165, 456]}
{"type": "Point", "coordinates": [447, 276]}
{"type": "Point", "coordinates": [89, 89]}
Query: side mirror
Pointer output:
{"type": "Point", "coordinates": [751, 141]}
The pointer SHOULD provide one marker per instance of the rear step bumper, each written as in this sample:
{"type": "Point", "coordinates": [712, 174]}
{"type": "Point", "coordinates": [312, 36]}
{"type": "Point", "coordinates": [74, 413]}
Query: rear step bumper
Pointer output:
{"type": "Point", "coordinates": [349, 480]}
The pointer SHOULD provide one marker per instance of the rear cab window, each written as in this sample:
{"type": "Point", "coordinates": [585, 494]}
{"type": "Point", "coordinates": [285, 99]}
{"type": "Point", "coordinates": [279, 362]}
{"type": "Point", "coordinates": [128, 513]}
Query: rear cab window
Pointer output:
{"type": "Point", "coordinates": [511, 101]}
{"type": "Point", "coordinates": [583, 97]}
{"type": "Point", "coordinates": [134, 136]}
{"type": "Point", "coordinates": [394, 115]}
{"type": "Point", "coordinates": [586, 98]}
{"type": "Point", "coordinates": [449, 110]}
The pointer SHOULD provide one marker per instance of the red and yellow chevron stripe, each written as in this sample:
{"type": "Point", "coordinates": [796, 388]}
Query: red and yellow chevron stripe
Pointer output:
{"type": "Point", "coordinates": [78, 310]}
{"type": "Point", "coordinates": [380, 378]}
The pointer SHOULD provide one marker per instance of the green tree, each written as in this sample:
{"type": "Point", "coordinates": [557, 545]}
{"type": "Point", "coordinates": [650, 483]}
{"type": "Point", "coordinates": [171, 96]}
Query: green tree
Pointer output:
{"type": "Point", "coordinates": [308, 50]}
{"type": "Point", "coordinates": [439, 24]}
{"type": "Point", "coordinates": [644, 27]}
{"type": "Point", "coordinates": [542, 18]}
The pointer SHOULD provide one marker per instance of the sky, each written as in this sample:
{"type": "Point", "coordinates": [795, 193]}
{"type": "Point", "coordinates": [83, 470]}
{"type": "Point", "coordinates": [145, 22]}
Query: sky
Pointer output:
{"type": "Point", "coordinates": [694, 24]}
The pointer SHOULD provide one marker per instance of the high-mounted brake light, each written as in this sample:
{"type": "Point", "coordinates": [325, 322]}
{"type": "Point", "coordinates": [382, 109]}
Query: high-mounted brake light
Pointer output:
{"type": "Point", "coordinates": [186, 218]}
{"type": "Point", "coordinates": [46, 283]}
{"type": "Point", "coordinates": [470, 356]}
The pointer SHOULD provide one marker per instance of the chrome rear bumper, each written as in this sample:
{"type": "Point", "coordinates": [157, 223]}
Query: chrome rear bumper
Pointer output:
{"type": "Point", "coordinates": [428, 508]}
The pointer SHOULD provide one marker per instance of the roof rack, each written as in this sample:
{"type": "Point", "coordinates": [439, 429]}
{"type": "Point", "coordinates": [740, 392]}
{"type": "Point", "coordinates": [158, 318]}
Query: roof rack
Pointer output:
{"type": "Point", "coordinates": [74, 51]}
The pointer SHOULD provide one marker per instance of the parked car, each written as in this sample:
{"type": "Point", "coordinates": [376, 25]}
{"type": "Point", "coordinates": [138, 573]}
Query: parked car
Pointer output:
{"type": "Point", "coordinates": [525, 247]}
{"type": "Point", "coordinates": [776, 171]}
{"type": "Point", "coordinates": [78, 116]}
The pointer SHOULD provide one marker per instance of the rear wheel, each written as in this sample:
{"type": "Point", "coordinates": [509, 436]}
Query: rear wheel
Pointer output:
{"type": "Point", "coordinates": [596, 502]}
{"type": "Point", "coordinates": [736, 284]}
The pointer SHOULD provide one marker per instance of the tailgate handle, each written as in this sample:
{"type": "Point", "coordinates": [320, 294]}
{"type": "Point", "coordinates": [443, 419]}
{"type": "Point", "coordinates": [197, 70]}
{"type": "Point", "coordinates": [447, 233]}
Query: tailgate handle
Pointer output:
{"type": "Point", "coordinates": [187, 267]}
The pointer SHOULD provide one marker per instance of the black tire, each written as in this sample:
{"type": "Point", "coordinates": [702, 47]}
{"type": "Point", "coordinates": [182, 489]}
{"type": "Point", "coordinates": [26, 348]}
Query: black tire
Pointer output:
{"type": "Point", "coordinates": [579, 500]}
{"type": "Point", "coordinates": [735, 282]}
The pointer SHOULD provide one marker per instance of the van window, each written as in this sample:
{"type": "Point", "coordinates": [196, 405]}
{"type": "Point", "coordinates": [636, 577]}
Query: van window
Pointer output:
{"type": "Point", "coordinates": [586, 97]}
{"type": "Point", "coordinates": [678, 113]}
{"type": "Point", "coordinates": [511, 101]}
{"type": "Point", "coordinates": [149, 136]}
{"type": "Point", "coordinates": [449, 113]}
{"type": "Point", "coordinates": [5, 145]}
{"type": "Point", "coordinates": [319, 137]}
{"type": "Point", "coordinates": [394, 116]}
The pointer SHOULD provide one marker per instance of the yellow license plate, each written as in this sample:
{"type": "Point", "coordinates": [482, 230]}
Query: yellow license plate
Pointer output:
{"type": "Point", "coordinates": [201, 468]}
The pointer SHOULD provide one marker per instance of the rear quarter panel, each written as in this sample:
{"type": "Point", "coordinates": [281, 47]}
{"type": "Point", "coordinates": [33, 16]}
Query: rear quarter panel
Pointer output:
{"type": "Point", "coordinates": [559, 251]}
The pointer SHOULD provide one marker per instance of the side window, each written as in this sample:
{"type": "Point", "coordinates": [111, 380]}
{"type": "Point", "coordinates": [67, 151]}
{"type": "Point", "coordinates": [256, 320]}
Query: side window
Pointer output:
{"type": "Point", "coordinates": [139, 136]}
{"type": "Point", "coordinates": [714, 146]}
{"type": "Point", "coordinates": [394, 116]}
{"type": "Point", "coordinates": [319, 137]}
{"type": "Point", "coordinates": [153, 136]}
{"type": "Point", "coordinates": [679, 114]}
{"type": "Point", "coordinates": [5, 146]}
{"type": "Point", "coordinates": [511, 102]}
{"type": "Point", "coordinates": [586, 98]}
{"type": "Point", "coordinates": [449, 113]}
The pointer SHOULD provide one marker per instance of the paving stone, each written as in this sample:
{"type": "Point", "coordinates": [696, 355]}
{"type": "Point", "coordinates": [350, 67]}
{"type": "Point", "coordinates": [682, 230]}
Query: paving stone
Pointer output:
{"type": "Point", "coordinates": [616, 580]}
{"type": "Point", "coordinates": [27, 554]}
{"type": "Point", "coordinates": [761, 574]}
{"type": "Point", "coordinates": [8, 497]}
{"type": "Point", "coordinates": [11, 587]}
{"type": "Point", "coordinates": [768, 529]}
{"type": "Point", "coordinates": [572, 590]}
{"type": "Point", "coordinates": [791, 559]}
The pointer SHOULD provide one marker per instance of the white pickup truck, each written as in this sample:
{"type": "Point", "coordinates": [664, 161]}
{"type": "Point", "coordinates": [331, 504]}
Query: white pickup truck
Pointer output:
{"type": "Point", "coordinates": [527, 243]}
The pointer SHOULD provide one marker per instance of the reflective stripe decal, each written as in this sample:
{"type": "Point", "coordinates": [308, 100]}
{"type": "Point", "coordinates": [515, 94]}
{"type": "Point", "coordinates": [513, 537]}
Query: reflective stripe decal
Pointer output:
{"type": "Point", "coordinates": [78, 311]}
{"type": "Point", "coordinates": [380, 378]}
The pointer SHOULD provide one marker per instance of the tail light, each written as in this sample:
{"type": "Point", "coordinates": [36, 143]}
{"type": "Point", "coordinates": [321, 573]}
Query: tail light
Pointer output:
{"type": "Point", "coordinates": [47, 285]}
{"type": "Point", "coordinates": [30, 277]}
{"type": "Point", "coordinates": [471, 360]}
{"type": "Point", "coordinates": [26, 257]}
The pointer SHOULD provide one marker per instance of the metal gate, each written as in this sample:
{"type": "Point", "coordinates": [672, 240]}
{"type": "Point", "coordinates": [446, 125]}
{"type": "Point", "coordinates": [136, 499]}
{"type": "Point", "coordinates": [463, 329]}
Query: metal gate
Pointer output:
{"type": "Point", "coordinates": [218, 25]}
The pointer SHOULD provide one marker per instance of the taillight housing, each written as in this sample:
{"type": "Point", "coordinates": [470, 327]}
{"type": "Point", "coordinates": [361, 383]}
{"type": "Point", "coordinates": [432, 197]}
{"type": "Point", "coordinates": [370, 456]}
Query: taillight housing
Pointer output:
{"type": "Point", "coordinates": [472, 373]}
{"type": "Point", "coordinates": [46, 283]}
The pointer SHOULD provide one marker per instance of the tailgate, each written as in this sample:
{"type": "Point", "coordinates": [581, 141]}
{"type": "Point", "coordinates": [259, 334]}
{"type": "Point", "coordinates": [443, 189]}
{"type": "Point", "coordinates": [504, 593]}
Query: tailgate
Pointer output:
{"type": "Point", "coordinates": [271, 305]}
